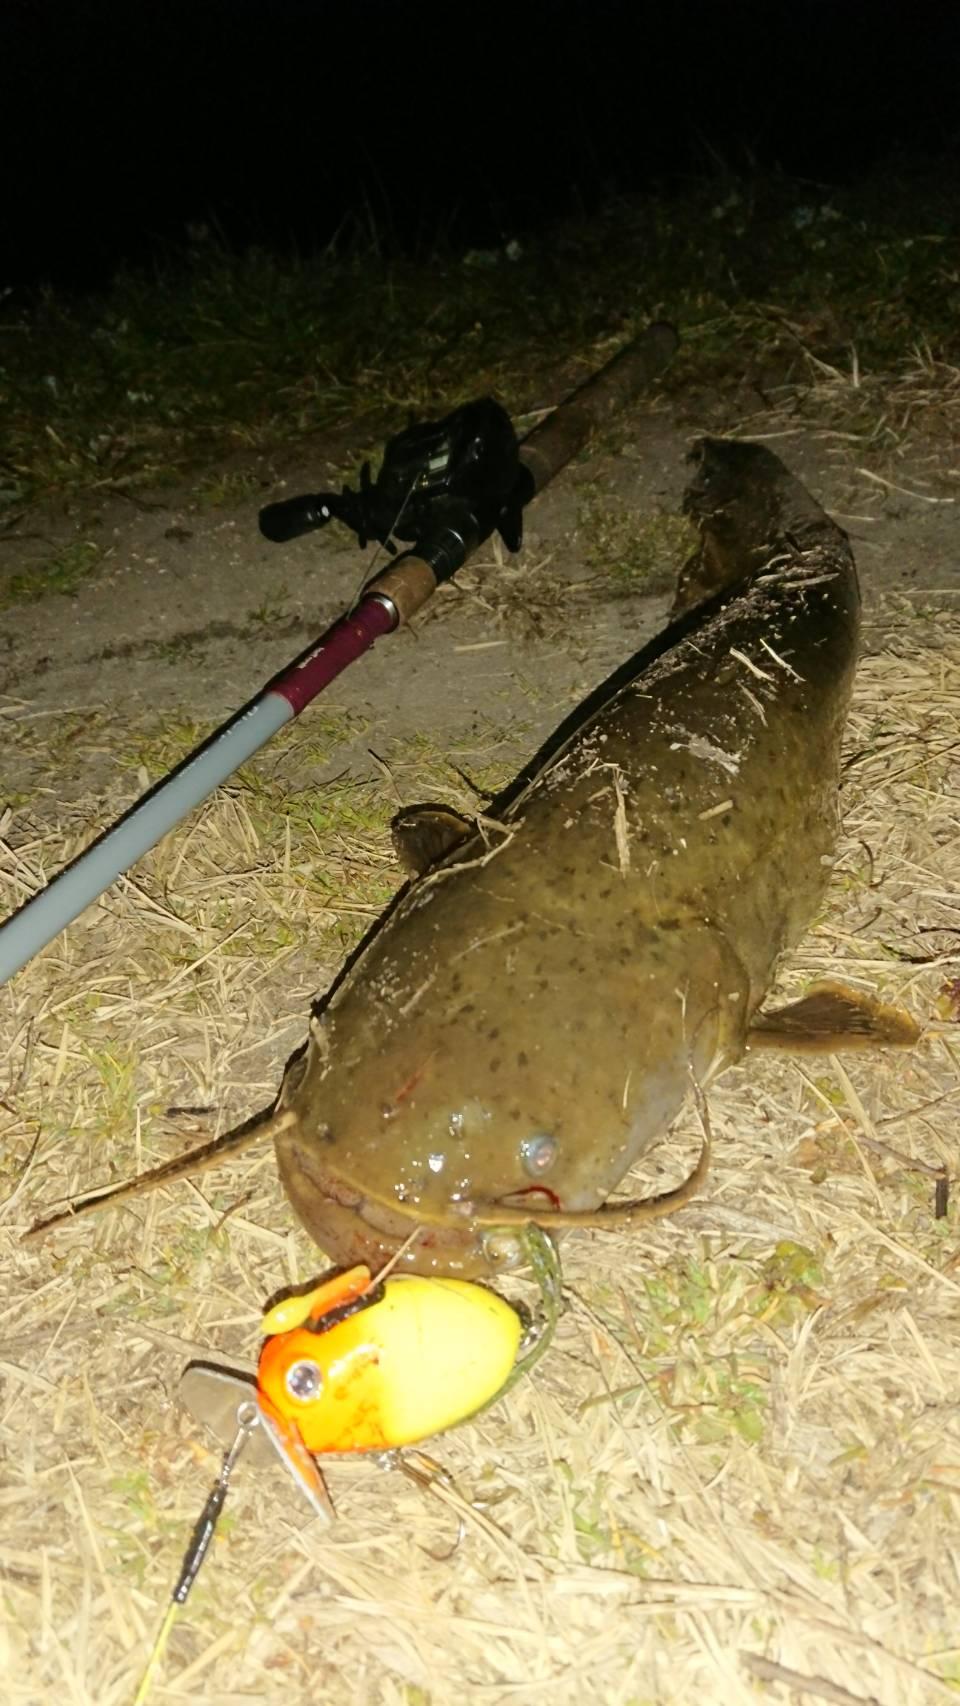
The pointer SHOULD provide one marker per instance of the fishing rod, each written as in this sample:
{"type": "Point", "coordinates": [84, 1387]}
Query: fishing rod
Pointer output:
{"type": "Point", "coordinates": [443, 488]}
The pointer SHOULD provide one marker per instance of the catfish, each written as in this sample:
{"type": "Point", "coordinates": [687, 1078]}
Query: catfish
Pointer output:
{"type": "Point", "coordinates": [564, 971]}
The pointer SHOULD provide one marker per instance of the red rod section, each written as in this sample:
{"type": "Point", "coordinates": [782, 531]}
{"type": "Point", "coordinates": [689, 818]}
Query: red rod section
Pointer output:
{"type": "Point", "coordinates": [347, 640]}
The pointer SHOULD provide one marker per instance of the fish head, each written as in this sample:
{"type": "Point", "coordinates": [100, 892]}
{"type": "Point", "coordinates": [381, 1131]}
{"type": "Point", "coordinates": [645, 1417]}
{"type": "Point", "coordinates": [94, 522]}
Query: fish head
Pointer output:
{"type": "Point", "coordinates": [440, 1134]}
{"type": "Point", "coordinates": [416, 1152]}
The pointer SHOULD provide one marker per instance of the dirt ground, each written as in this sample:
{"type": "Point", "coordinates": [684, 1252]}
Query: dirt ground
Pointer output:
{"type": "Point", "coordinates": [190, 609]}
{"type": "Point", "coordinates": [741, 1463]}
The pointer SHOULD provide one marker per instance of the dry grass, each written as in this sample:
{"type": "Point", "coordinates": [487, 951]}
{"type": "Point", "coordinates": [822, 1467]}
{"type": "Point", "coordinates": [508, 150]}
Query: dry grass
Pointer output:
{"type": "Point", "coordinates": [745, 1445]}
{"type": "Point", "coordinates": [910, 407]}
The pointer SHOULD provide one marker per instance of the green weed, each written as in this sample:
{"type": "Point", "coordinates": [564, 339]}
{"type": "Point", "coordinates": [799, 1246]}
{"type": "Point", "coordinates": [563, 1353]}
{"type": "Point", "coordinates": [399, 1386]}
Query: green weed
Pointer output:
{"type": "Point", "coordinates": [213, 353]}
{"type": "Point", "coordinates": [61, 573]}
{"type": "Point", "coordinates": [636, 553]}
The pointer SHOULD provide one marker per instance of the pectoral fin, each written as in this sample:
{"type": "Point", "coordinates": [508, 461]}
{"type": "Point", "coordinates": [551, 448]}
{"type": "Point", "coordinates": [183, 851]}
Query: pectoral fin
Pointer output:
{"type": "Point", "coordinates": [422, 835]}
{"type": "Point", "coordinates": [830, 1019]}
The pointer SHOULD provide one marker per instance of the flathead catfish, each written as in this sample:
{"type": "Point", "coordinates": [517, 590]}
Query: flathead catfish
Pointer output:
{"type": "Point", "coordinates": [533, 1011]}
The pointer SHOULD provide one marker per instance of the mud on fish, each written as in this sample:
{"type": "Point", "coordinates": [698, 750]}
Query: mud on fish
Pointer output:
{"type": "Point", "coordinates": [558, 976]}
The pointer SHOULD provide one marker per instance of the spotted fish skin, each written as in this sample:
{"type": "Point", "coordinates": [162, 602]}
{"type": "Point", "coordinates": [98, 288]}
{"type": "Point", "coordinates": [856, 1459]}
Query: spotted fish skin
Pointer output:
{"type": "Point", "coordinates": [606, 934]}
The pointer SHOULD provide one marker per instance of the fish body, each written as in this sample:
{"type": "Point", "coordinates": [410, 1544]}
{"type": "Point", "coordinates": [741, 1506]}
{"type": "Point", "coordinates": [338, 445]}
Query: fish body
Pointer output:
{"type": "Point", "coordinates": [533, 1012]}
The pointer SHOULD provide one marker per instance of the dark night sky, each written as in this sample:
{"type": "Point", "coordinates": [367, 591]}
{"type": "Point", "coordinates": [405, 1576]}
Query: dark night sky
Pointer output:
{"type": "Point", "coordinates": [278, 117]}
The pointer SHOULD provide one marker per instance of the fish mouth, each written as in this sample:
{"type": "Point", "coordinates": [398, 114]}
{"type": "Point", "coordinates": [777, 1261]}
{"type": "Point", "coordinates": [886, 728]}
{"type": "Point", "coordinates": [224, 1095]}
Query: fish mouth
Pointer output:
{"type": "Point", "coordinates": [474, 1239]}
{"type": "Point", "coordinates": [352, 1226]}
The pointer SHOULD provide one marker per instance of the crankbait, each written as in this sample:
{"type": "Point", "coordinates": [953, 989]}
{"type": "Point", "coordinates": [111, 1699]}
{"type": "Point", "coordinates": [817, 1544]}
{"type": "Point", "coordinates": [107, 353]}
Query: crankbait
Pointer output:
{"type": "Point", "coordinates": [417, 1357]}
{"type": "Point", "coordinates": [360, 1364]}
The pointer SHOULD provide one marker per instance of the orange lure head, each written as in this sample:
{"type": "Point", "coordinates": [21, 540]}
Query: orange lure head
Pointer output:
{"type": "Point", "coordinates": [355, 1375]}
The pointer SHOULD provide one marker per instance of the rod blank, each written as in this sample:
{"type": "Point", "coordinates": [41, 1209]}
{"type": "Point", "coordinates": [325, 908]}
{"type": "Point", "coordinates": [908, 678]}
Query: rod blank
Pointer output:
{"type": "Point", "coordinates": [393, 597]}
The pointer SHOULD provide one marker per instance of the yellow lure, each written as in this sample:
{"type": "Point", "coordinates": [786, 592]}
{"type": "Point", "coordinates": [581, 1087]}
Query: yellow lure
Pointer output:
{"type": "Point", "coordinates": [425, 1356]}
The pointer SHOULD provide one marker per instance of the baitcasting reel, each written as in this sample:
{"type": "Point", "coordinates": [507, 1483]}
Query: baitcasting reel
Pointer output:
{"type": "Point", "coordinates": [443, 485]}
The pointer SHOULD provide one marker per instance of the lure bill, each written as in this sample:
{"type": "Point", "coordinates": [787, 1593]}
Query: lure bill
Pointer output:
{"type": "Point", "coordinates": [222, 1399]}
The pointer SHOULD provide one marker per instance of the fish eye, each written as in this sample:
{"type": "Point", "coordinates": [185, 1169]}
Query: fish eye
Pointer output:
{"type": "Point", "coordinates": [537, 1154]}
{"type": "Point", "coordinates": [304, 1380]}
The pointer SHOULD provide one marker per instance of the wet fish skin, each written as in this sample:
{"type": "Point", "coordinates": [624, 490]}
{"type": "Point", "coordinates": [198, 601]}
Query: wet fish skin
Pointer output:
{"type": "Point", "coordinates": [565, 975]}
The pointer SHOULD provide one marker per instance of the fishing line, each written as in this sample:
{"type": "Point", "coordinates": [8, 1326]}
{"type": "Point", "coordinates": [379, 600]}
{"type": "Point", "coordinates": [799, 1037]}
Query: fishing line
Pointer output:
{"type": "Point", "coordinates": [367, 575]}
{"type": "Point", "coordinates": [248, 1419]}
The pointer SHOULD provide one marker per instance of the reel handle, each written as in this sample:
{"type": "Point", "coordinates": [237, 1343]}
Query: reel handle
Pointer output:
{"type": "Point", "coordinates": [293, 517]}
